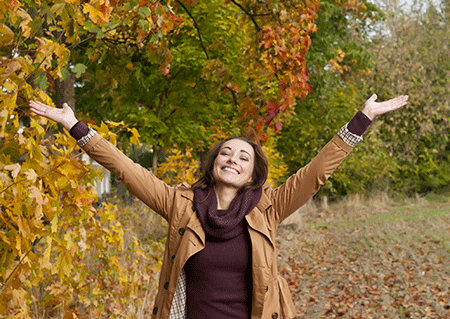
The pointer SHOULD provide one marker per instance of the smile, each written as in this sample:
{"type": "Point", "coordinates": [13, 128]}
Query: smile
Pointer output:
{"type": "Point", "coordinates": [231, 170]}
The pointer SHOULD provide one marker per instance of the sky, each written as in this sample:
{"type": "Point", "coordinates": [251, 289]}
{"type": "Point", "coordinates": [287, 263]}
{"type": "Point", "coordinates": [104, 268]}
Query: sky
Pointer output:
{"type": "Point", "coordinates": [407, 3]}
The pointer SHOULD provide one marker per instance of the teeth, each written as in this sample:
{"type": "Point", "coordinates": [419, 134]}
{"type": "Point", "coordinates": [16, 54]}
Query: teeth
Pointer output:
{"type": "Point", "coordinates": [230, 170]}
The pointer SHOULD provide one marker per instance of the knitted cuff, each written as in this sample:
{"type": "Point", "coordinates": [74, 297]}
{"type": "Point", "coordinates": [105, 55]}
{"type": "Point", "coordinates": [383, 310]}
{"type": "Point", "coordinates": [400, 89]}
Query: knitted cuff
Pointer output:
{"type": "Point", "coordinates": [79, 130]}
{"type": "Point", "coordinates": [359, 123]}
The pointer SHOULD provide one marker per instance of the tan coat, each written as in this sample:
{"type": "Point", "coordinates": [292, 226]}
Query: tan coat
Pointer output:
{"type": "Point", "coordinates": [271, 297]}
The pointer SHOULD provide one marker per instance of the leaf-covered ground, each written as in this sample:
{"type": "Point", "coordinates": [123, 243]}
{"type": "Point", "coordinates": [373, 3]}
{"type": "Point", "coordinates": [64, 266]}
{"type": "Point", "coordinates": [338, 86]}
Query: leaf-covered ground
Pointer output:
{"type": "Point", "coordinates": [376, 258]}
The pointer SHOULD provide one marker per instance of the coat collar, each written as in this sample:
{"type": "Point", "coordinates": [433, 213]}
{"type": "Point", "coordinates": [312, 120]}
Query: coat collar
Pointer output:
{"type": "Point", "coordinates": [256, 218]}
{"type": "Point", "coordinates": [186, 191]}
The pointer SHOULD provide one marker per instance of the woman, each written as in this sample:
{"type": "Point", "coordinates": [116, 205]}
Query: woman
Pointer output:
{"type": "Point", "coordinates": [220, 259]}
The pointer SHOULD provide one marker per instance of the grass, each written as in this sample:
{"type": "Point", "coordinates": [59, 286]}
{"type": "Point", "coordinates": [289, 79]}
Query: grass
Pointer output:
{"type": "Point", "coordinates": [384, 258]}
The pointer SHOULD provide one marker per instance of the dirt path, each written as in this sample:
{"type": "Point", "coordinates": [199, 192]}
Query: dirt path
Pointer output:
{"type": "Point", "coordinates": [380, 259]}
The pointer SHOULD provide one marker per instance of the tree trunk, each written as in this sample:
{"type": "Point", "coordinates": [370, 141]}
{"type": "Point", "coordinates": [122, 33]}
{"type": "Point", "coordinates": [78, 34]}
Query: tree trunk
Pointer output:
{"type": "Point", "coordinates": [65, 90]}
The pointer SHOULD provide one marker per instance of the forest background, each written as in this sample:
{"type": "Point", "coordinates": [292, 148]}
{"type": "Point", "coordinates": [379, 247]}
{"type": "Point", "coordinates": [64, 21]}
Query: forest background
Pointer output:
{"type": "Point", "coordinates": [164, 80]}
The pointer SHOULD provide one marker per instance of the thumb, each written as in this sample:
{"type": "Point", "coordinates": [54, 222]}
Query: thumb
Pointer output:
{"type": "Point", "coordinates": [65, 105]}
{"type": "Point", "coordinates": [373, 97]}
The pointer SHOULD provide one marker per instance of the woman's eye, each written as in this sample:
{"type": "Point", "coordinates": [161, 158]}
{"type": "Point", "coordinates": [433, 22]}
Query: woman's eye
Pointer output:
{"type": "Point", "coordinates": [244, 159]}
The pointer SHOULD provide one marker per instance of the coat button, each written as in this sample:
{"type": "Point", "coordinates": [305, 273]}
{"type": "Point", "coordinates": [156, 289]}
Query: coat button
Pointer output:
{"type": "Point", "coordinates": [173, 258]}
{"type": "Point", "coordinates": [155, 310]}
{"type": "Point", "coordinates": [181, 231]}
{"type": "Point", "coordinates": [275, 315]}
{"type": "Point", "coordinates": [267, 288]}
{"type": "Point", "coordinates": [166, 285]}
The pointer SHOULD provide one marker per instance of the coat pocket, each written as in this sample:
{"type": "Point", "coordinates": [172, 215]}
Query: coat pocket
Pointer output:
{"type": "Point", "coordinates": [286, 304]}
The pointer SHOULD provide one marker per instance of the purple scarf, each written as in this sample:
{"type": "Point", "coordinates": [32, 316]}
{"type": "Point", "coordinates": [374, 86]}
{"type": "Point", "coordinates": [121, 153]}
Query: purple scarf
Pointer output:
{"type": "Point", "coordinates": [224, 224]}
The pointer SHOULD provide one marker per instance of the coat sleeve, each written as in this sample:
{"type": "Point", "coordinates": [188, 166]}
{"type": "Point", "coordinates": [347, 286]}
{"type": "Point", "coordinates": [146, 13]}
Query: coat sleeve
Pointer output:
{"type": "Point", "coordinates": [301, 186]}
{"type": "Point", "coordinates": [138, 180]}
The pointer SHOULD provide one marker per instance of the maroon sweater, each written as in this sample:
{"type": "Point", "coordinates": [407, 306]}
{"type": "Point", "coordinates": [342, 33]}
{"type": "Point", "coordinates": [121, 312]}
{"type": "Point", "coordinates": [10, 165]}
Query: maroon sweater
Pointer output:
{"type": "Point", "coordinates": [219, 279]}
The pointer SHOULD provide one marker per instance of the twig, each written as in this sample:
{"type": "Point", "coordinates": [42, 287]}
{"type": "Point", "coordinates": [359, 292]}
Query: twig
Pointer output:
{"type": "Point", "coordinates": [258, 28]}
{"type": "Point", "coordinates": [233, 93]}
{"type": "Point", "coordinates": [20, 262]}
{"type": "Point", "coordinates": [196, 27]}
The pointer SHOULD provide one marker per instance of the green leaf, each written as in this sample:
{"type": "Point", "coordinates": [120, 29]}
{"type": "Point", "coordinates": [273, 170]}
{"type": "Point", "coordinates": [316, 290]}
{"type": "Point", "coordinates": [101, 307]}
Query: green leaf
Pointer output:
{"type": "Point", "coordinates": [79, 69]}
{"type": "Point", "coordinates": [144, 12]}
{"type": "Point", "coordinates": [57, 8]}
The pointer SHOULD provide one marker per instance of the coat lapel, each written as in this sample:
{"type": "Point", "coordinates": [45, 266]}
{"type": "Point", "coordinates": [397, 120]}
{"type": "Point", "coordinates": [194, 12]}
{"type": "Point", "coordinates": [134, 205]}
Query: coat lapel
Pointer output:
{"type": "Point", "coordinates": [256, 219]}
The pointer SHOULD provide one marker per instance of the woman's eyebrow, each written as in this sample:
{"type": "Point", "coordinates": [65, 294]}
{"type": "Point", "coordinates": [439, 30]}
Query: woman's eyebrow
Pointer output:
{"type": "Point", "coordinates": [244, 151]}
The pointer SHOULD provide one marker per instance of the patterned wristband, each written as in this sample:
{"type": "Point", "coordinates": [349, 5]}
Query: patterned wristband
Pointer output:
{"type": "Point", "coordinates": [85, 139]}
{"type": "Point", "coordinates": [348, 137]}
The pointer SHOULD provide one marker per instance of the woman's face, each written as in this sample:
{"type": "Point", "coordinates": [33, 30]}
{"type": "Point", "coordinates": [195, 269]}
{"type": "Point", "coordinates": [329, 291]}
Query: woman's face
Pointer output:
{"type": "Point", "coordinates": [234, 164]}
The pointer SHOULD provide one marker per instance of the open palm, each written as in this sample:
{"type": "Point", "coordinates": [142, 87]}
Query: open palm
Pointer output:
{"type": "Point", "coordinates": [372, 109]}
{"type": "Point", "coordinates": [64, 116]}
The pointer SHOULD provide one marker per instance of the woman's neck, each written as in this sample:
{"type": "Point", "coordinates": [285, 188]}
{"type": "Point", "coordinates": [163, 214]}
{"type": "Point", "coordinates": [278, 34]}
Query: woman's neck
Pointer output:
{"type": "Point", "coordinates": [225, 196]}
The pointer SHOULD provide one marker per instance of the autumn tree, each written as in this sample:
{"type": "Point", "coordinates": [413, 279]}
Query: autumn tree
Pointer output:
{"type": "Point", "coordinates": [412, 57]}
{"type": "Point", "coordinates": [55, 245]}
{"type": "Point", "coordinates": [233, 65]}
{"type": "Point", "coordinates": [338, 62]}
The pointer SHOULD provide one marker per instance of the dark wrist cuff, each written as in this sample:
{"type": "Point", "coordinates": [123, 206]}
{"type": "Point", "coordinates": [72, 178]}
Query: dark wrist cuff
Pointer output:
{"type": "Point", "coordinates": [79, 130]}
{"type": "Point", "coordinates": [359, 124]}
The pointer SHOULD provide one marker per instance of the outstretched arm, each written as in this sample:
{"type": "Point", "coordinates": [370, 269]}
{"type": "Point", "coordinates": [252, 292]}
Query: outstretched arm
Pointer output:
{"type": "Point", "coordinates": [64, 116]}
{"type": "Point", "coordinates": [138, 180]}
{"type": "Point", "coordinates": [300, 187]}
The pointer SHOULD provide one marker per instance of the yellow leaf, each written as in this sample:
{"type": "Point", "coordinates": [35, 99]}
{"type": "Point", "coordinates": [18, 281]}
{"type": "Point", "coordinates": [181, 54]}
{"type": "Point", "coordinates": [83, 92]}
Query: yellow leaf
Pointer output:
{"type": "Point", "coordinates": [115, 124]}
{"type": "Point", "coordinates": [54, 224]}
{"type": "Point", "coordinates": [37, 195]}
{"type": "Point", "coordinates": [4, 238]}
{"type": "Point", "coordinates": [23, 227]}
{"type": "Point", "coordinates": [11, 67]}
{"type": "Point", "coordinates": [135, 138]}
{"type": "Point", "coordinates": [44, 261]}
{"type": "Point", "coordinates": [14, 168]}
{"type": "Point", "coordinates": [95, 15]}
{"type": "Point", "coordinates": [24, 25]}
{"type": "Point", "coordinates": [94, 57]}
{"type": "Point", "coordinates": [4, 119]}
{"type": "Point", "coordinates": [31, 175]}
{"type": "Point", "coordinates": [22, 139]}
{"type": "Point", "coordinates": [4, 178]}
{"type": "Point", "coordinates": [103, 129]}
{"type": "Point", "coordinates": [6, 35]}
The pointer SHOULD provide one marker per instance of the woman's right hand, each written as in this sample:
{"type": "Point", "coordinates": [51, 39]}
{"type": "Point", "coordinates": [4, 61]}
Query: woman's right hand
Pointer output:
{"type": "Point", "coordinates": [65, 116]}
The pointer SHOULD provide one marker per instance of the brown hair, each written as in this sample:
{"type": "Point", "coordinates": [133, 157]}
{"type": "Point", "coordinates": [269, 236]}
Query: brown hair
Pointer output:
{"type": "Point", "coordinates": [260, 168]}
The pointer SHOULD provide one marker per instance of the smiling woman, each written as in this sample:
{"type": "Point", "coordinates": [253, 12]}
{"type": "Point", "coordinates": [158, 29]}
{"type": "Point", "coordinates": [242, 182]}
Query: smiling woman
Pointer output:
{"type": "Point", "coordinates": [220, 259]}
{"type": "Point", "coordinates": [234, 165]}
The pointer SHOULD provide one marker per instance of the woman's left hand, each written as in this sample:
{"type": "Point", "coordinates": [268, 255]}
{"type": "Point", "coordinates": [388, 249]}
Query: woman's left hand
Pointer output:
{"type": "Point", "coordinates": [372, 109]}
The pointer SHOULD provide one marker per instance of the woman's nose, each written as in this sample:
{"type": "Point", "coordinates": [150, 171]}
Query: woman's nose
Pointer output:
{"type": "Point", "coordinates": [232, 159]}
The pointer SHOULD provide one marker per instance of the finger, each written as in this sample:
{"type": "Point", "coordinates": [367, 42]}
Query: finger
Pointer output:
{"type": "Point", "coordinates": [37, 105]}
{"type": "Point", "coordinates": [39, 108]}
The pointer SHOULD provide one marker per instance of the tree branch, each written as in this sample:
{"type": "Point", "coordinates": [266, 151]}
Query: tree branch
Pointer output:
{"type": "Point", "coordinates": [258, 28]}
{"type": "Point", "coordinates": [20, 262]}
{"type": "Point", "coordinates": [233, 93]}
{"type": "Point", "coordinates": [196, 27]}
